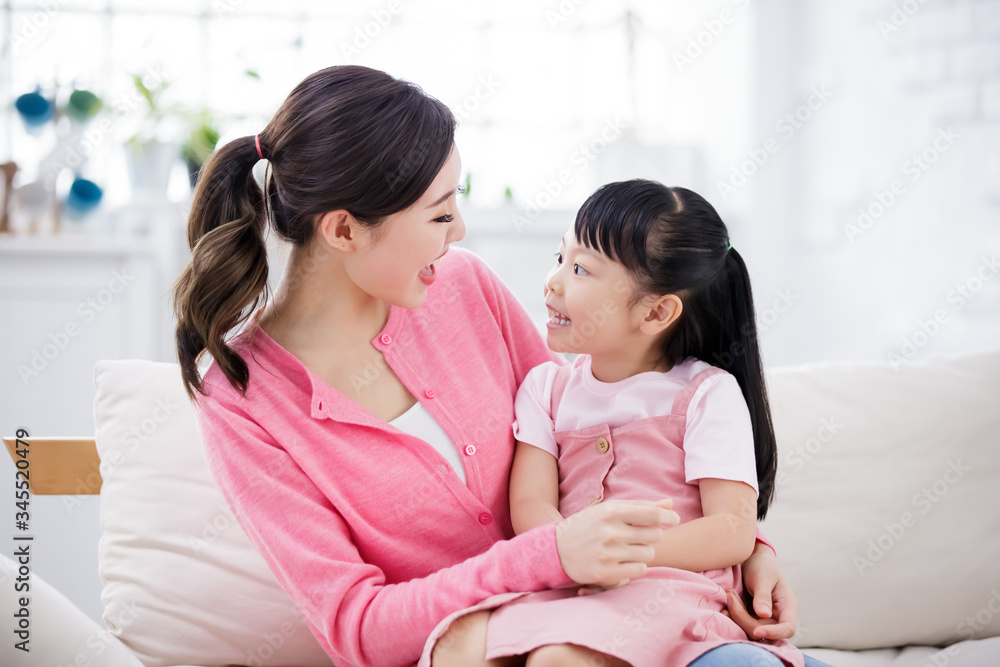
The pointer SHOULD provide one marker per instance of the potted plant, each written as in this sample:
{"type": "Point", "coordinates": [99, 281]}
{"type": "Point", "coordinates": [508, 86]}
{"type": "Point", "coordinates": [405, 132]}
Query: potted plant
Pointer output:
{"type": "Point", "coordinates": [203, 135]}
{"type": "Point", "coordinates": [204, 127]}
{"type": "Point", "coordinates": [150, 151]}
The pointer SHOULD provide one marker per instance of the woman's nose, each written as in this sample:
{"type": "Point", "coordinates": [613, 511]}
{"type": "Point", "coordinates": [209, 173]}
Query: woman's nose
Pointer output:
{"type": "Point", "coordinates": [456, 230]}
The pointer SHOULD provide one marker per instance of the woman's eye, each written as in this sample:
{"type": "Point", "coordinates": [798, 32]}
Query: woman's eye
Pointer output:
{"type": "Point", "coordinates": [445, 218]}
{"type": "Point", "coordinates": [577, 266]}
{"type": "Point", "coordinates": [558, 258]}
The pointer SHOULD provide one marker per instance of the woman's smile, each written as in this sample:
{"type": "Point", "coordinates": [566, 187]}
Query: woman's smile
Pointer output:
{"type": "Point", "coordinates": [429, 272]}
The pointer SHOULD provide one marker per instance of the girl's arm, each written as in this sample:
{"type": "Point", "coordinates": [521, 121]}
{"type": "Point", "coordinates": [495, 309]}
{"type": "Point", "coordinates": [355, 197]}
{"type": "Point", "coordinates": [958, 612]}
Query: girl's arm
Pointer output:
{"type": "Point", "coordinates": [725, 536]}
{"type": "Point", "coordinates": [534, 488]}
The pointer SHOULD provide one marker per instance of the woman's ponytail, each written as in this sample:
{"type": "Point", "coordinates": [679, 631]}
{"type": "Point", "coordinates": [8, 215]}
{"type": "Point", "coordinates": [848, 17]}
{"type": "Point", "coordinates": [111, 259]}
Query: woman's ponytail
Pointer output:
{"type": "Point", "coordinates": [227, 275]}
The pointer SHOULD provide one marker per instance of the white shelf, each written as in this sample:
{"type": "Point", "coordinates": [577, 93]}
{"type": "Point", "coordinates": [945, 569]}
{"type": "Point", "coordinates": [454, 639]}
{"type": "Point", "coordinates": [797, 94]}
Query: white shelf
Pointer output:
{"type": "Point", "coordinates": [75, 244]}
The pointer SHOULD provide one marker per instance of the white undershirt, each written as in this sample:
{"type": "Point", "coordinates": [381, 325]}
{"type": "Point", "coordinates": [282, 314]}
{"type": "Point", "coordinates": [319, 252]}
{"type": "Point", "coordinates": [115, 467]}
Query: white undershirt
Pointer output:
{"type": "Point", "coordinates": [417, 421]}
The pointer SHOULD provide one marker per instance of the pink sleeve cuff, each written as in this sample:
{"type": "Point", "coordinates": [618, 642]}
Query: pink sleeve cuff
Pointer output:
{"type": "Point", "coordinates": [763, 540]}
{"type": "Point", "coordinates": [542, 541]}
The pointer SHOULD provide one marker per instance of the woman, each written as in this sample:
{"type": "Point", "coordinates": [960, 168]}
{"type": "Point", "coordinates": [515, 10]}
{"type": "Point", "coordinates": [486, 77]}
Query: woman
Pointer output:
{"type": "Point", "coordinates": [359, 424]}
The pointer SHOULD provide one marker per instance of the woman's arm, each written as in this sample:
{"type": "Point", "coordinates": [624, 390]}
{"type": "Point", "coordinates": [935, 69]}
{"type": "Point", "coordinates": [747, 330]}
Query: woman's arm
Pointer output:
{"type": "Point", "coordinates": [774, 602]}
{"type": "Point", "coordinates": [357, 616]}
{"type": "Point", "coordinates": [534, 488]}
{"type": "Point", "coordinates": [723, 537]}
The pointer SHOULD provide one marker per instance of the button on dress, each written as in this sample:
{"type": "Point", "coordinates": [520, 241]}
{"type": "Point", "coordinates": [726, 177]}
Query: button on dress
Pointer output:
{"type": "Point", "coordinates": [669, 616]}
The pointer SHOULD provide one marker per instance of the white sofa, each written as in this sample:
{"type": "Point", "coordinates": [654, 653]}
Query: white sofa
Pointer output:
{"type": "Point", "coordinates": [887, 522]}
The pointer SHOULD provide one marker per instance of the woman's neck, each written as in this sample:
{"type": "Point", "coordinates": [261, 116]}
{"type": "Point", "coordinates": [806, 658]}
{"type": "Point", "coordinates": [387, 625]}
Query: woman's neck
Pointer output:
{"type": "Point", "coordinates": [317, 307]}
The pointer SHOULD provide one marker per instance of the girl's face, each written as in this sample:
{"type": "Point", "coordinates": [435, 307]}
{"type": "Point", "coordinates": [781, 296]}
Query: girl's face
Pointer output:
{"type": "Point", "coordinates": [397, 262]}
{"type": "Point", "coordinates": [586, 293]}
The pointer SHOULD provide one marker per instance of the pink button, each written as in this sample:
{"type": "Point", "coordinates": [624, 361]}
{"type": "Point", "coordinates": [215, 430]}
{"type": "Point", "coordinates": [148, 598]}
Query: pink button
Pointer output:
{"type": "Point", "coordinates": [430, 393]}
{"type": "Point", "coordinates": [485, 518]}
{"type": "Point", "coordinates": [470, 449]}
{"type": "Point", "coordinates": [386, 339]}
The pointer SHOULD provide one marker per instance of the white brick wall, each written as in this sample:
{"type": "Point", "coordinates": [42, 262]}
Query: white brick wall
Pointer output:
{"type": "Point", "coordinates": [898, 86]}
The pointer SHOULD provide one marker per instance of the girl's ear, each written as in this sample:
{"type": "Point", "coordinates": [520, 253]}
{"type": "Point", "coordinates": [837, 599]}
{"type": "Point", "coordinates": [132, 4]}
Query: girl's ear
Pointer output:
{"type": "Point", "coordinates": [659, 313]}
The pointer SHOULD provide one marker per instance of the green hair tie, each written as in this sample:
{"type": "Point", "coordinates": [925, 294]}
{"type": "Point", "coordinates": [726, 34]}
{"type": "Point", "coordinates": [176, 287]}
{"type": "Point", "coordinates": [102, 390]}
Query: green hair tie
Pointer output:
{"type": "Point", "coordinates": [730, 246]}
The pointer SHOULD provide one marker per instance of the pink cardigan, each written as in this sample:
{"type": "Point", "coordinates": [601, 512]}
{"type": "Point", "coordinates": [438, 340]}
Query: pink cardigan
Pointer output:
{"type": "Point", "coordinates": [369, 529]}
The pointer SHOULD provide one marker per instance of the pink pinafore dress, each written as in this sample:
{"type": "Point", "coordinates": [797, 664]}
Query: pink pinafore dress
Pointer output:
{"type": "Point", "coordinates": [666, 618]}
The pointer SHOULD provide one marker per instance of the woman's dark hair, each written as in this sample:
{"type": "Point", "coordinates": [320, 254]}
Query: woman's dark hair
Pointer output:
{"type": "Point", "coordinates": [672, 241]}
{"type": "Point", "coordinates": [347, 137]}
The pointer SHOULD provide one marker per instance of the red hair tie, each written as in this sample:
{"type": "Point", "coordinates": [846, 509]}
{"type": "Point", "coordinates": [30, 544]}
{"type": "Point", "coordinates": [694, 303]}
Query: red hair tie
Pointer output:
{"type": "Point", "coordinates": [256, 139]}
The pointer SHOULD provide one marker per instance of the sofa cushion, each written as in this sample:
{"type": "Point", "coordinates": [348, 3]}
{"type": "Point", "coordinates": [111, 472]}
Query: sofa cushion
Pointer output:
{"type": "Point", "coordinates": [171, 550]}
{"type": "Point", "coordinates": [886, 520]}
{"type": "Point", "coordinates": [972, 653]}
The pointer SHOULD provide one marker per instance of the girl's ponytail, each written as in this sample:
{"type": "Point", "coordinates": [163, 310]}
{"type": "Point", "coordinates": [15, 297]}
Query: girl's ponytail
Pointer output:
{"type": "Point", "coordinates": [739, 353]}
{"type": "Point", "coordinates": [228, 268]}
{"type": "Point", "coordinates": [673, 241]}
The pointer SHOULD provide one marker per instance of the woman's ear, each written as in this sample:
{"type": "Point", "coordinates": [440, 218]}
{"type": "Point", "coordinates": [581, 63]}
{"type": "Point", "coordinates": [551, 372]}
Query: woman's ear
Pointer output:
{"type": "Point", "coordinates": [339, 230]}
{"type": "Point", "coordinates": [659, 313]}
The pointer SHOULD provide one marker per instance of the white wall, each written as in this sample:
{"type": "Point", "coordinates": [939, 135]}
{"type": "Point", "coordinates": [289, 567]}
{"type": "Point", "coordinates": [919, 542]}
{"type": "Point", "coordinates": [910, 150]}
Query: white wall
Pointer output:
{"type": "Point", "coordinates": [897, 84]}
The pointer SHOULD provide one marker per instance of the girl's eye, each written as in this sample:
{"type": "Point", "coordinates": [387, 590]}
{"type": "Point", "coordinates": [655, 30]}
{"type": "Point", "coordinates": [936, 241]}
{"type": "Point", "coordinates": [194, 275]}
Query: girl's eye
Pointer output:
{"type": "Point", "coordinates": [445, 218]}
{"type": "Point", "coordinates": [559, 260]}
{"type": "Point", "coordinates": [461, 190]}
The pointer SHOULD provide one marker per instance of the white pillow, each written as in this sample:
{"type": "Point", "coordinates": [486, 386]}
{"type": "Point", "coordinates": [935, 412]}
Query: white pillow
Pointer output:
{"type": "Point", "coordinates": [874, 560]}
{"type": "Point", "coordinates": [172, 557]}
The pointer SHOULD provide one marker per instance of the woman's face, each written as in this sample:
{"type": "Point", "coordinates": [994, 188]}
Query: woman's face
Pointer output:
{"type": "Point", "coordinates": [396, 263]}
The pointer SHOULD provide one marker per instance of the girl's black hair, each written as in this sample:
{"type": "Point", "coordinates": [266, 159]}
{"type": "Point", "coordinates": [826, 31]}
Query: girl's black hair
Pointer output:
{"type": "Point", "coordinates": [672, 241]}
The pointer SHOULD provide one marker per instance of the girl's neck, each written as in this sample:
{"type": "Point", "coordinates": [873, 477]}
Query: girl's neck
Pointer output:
{"type": "Point", "coordinates": [608, 368]}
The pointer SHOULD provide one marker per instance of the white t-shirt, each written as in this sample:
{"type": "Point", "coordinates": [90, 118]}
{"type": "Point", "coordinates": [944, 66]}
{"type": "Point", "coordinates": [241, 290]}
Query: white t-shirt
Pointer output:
{"type": "Point", "coordinates": [718, 441]}
{"type": "Point", "coordinates": [417, 421]}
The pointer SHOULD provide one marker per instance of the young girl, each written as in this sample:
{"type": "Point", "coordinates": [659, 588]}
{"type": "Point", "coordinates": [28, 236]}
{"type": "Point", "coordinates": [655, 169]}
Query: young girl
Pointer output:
{"type": "Point", "coordinates": [665, 400]}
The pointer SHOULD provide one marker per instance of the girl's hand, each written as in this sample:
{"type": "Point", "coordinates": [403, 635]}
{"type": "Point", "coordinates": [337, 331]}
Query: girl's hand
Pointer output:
{"type": "Point", "coordinates": [609, 543]}
{"type": "Point", "coordinates": [774, 602]}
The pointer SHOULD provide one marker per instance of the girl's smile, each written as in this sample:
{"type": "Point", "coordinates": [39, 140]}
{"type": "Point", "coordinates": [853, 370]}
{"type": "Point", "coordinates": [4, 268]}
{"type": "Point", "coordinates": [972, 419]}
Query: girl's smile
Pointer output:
{"type": "Point", "coordinates": [556, 319]}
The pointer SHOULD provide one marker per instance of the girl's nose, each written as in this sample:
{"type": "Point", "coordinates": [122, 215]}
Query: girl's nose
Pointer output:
{"type": "Point", "coordinates": [551, 282]}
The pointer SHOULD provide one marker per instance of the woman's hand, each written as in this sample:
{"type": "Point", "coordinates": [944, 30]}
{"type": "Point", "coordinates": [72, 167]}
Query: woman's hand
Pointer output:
{"type": "Point", "coordinates": [774, 602]}
{"type": "Point", "coordinates": [590, 589]}
{"type": "Point", "coordinates": [609, 543]}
